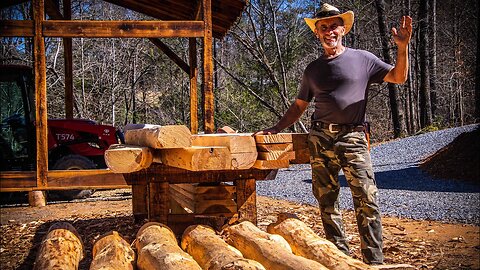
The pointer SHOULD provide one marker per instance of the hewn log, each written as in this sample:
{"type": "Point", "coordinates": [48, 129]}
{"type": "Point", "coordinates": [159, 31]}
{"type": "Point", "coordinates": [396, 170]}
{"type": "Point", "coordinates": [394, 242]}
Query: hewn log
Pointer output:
{"type": "Point", "coordinates": [123, 158]}
{"type": "Point", "coordinates": [159, 137]}
{"type": "Point", "coordinates": [112, 252]}
{"type": "Point", "coordinates": [197, 158]}
{"type": "Point", "coordinates": [265, 248]}
{"type": "Point", "coordinates": [157, 248]}
{"type": "Point", "coordinates": [62, 248]}
{"type": "Point", "coordinates": [266, 147]}
{"type": "Point", "coordinates": [271, 164]}
{"type": "Point", "coordinates": [241, 145]}
{"type": "Point", "coordinates": [274, 138]}
{"type": "Point", "coordinates": [306, 243]}
{"type": "Point", "coordinates": [213, 253]}
{"type": "Point", "coordinates": [276, 155]}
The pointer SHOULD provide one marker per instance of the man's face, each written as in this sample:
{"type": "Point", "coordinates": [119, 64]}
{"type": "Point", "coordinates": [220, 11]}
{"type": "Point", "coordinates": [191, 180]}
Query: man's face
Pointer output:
{"type": "Point", "coordinates": [330, 32]}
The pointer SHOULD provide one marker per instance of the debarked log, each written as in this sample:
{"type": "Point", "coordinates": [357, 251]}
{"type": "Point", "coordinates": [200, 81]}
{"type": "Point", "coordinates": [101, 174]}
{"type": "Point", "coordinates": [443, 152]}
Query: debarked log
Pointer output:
{"type": "Point", "coordinates": [124, 158]}
{"type": "Point", "coordinates": [157, 248]}
{"type": "Point", "coordinates": [197, 158]}
{"type": "Point", "coordinates": [62, 248]}
{"type": "Point", "coordinates": [212, 252]}
{"type": "Point", "coordinates": [266, 249]}
{"type": "Point", "coordinates": [306, 243]}
{"type": "Point", "coordinates": [112, 252]}
{"type": "Point", "coordinates": [158, 137]}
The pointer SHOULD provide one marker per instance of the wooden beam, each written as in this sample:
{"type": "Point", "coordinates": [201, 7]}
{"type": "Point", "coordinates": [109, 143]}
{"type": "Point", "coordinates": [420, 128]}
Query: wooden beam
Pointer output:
{"type": "Point", "coordinates": [208, 68]}
{"type": "Point", "coordinates": [192, 59]}
{"type": "Point", "coordinates": [171, 54]}
{"type": "Point", "coordinates": [40, 94]}
{"type": "Point", "coordinates": [197, 158]}
{"type": "Point", "coordinates": [16, 28]}
{"type": "Point", "coordinates": [122, 29]}
{"type": "Point", "coordinates": [61, 180]}
{"type": "Point", "coordinates": [247, 200]}
{"type": "Point", "coordinates": [68, 63]}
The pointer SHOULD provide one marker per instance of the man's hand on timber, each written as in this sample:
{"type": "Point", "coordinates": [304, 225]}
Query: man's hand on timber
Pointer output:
{"type": "Point", "coordinates": [404, 33]}
{"type": "Point", "coordinates": [268, 131]}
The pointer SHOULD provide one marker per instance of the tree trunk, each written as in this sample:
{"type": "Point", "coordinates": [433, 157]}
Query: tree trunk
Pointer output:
{"type": "Point", "coordinates": [425, 103]}
{"type": "Point", "coordinates": [112, 252]}
{"type": "Point", "coordinates": [272, 251]}
{"type": "Point", "coordinates": [62, 248]}
{"type": "Point", "coordinates": [306, 243]}
{"type": "Point", "coordinates": [157, 248]}
{"type": "Point", "coordinates": [213, 253]}
{"type": "Point", "coordinates": [433, 56]}
{"type": "Point", "coordinates": [398, 117]}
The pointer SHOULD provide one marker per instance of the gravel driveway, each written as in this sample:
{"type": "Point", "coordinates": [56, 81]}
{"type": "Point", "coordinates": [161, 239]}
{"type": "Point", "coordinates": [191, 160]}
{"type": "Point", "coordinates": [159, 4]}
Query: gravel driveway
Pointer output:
{"type": "Point", "coordinates": [404, 189]}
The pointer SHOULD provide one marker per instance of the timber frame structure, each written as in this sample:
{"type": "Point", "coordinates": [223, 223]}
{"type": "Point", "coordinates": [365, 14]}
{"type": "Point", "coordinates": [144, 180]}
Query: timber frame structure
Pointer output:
{"type": "Point", "coordinates": [192, 19]}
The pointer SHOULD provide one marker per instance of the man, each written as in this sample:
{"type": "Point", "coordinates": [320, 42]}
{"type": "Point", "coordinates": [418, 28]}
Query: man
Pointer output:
{"type": "Point", "coordinates": [339, 82]}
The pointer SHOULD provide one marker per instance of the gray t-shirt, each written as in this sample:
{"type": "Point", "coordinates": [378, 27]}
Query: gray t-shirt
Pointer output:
{"type": "Point", "coordinates": [340, 85]}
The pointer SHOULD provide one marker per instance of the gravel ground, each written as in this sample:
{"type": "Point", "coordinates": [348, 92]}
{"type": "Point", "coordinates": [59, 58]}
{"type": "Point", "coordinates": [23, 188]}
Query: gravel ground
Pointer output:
{"type": "Point", "coordinates": [404, 189]}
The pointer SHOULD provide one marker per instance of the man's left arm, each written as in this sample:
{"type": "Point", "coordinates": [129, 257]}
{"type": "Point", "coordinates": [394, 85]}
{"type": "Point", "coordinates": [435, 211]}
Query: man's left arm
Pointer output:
{"type": "Point", "coordinates": [398, 74]}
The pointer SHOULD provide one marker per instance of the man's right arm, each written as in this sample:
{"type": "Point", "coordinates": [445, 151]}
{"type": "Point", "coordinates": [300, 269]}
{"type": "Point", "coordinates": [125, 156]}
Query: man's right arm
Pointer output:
{"type": "Point", "coordinates": [289, 118]}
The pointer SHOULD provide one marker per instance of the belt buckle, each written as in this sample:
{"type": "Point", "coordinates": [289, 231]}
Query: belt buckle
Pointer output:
{"type": "Point", "coordinates": [330, 126]}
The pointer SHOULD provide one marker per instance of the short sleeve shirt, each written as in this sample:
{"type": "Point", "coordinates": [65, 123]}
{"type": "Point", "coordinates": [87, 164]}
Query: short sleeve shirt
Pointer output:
{"type": "Point", "coordinates": [340, 85]}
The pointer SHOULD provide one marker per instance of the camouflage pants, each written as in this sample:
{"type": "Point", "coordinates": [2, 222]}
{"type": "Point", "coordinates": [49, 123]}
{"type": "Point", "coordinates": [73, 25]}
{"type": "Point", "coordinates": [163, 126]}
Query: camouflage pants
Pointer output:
{"type": "Point", "coordinates": [330, 152]}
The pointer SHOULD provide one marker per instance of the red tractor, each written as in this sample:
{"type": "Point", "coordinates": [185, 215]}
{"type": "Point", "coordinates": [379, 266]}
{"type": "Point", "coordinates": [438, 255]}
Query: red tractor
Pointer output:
{"type": "Point", "coordinates": [73, 144]}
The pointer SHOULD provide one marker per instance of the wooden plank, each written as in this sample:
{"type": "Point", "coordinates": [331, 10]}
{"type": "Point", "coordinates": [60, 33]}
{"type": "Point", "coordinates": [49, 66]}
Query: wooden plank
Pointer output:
{"type": "Point", "coordinates": [271, 164]}
{"type": "Point", "coordinates": [40, 71]}
{"type": "Point", "coordinates": [123, 29]}
{"type": "Point", "coordinates": [265, 147]}
{"type": "Point", "coordinates": [241, 145]}
{"type": "Point", "coordinates": [155, 136]}
{"type": "Point", "coordinates": [215, 206]}
{"type": "Point", "coordinates": [185, 199]}
{"type": "Point", "coordinates": [197, 158]}
{"type": "Point", "coordinates": [276, 155]}
{"type": "Point", "coordinates": [246, 200]}
{"type": "Point", "coordinates": [217, 192]}
{"type": "Point", "coordinates": [177, 208]}
{"type": "Point", "coordinates": [192, 59]}
{"type": "Point", "coordinates": [208, 68]}
{"type": "Point", "coordinates": [274, 138]}
{"type": "Point", "coordinates": [16, 28]}
{"type": "Point", "coordinates": [124, 158]}
{"type": "Point", "coordinates": [172, 55]}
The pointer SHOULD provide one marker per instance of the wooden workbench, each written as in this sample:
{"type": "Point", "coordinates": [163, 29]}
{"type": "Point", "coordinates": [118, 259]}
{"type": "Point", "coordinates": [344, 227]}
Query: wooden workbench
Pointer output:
{"type": "Point", "coordinates": [151, 201]}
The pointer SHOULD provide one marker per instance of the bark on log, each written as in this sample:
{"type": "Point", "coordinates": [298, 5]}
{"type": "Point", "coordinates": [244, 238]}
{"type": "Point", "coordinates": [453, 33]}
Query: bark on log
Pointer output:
{"type": "Point", "coordinates": [306, 243]}
{"type": "Point", "coordinates": [241, 145]}
{"type": "Point", "coordinates": [197, 158]}
{"type": "Point", "coordinates": [123, 158]}
{"type": "Point", "coordinates": [112, 252]}
{"type": "Point", "coordinates": [158, 137]}
{"type": "Point", "coordinates": [37, 198]}
{"type": "Point", "coordinates": [213, 253]}
{"type": "Point", "coordinates": [157, 248]}
{"type": "Point", "coordinates": [62, 248]}
{"type": "Point", "coordinates": [259, 246]}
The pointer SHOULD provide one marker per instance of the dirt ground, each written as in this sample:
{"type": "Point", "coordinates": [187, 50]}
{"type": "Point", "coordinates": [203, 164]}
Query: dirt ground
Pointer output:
{"type": "Point", "coordinates": [423, 244]}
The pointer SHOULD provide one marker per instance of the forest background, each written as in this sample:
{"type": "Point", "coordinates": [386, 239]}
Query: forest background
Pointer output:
{"type": "Point", "coordinates": [258, 66]}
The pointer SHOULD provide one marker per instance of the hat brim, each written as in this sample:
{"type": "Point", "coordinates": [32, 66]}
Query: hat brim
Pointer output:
{"type": "Point", "coordinates": [347, 18]}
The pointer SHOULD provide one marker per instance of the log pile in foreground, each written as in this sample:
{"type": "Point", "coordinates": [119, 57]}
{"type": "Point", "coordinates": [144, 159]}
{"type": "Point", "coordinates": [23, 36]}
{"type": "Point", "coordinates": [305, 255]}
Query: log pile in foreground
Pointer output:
{"type": "Point", "coordinates": [290, 244]}
{"type": "Point", "coordinates": [175, 146]}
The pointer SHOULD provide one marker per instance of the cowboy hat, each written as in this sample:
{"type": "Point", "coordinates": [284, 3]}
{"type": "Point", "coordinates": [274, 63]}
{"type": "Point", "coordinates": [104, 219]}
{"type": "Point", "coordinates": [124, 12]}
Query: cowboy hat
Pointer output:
{"type": "Point", "coordinates": [328, 11]}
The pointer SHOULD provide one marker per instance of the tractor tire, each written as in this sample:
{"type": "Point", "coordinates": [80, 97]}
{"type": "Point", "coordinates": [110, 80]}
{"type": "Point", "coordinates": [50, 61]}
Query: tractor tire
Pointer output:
{"type": "Point", "coordinates": [72, 162]}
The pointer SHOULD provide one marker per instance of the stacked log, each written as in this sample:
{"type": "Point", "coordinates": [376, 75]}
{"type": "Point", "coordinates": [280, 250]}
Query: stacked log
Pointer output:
{"type": "Point", "coordinates": [279, 150]}
{"type": "Point", "coordinates": [112, 252]}
{"type": "Point", "coordinates": [265, 248]}
{"type": "Point", "coordinates": [62, 248]}
{"type": "Point", "coordinates": [306, 243]}
{"type": "Point", "coordinates": [213, 253]}
{"type": "Point", "coordinates": [157, 248]}
{"type": "Point", "coordinates": [124, 158]}
{"type": "Point", "coordinates": [158, 137]}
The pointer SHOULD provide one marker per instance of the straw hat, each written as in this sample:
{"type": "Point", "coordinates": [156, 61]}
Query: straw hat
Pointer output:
{"type": "Point", "coordinates": [328, 11]}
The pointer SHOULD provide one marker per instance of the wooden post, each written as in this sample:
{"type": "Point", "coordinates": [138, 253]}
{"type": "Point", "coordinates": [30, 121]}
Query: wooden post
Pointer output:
{"type": "Point", "coordinates": [140, 198]}
{"type": "Point", "coordinates": [208, 68]}
{"type": "Point", "coordinates": [40, 93]}
{"type": "Point", "coordinates": [192, 57]}
{"type": "Point", "coordinates": [159, 202]}
{"type": "Point", "coordinates": [68, 60]}
{"type": "Point", "coordinates": [247, 200]}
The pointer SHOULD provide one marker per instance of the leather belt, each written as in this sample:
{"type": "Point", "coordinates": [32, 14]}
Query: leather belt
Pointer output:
{"type": "Point", "coordinates": [335, 128]}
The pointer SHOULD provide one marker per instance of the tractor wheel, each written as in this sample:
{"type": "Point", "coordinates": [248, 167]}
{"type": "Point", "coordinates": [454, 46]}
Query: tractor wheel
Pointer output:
{"type": "Point", "coordinates": [72, 162]}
